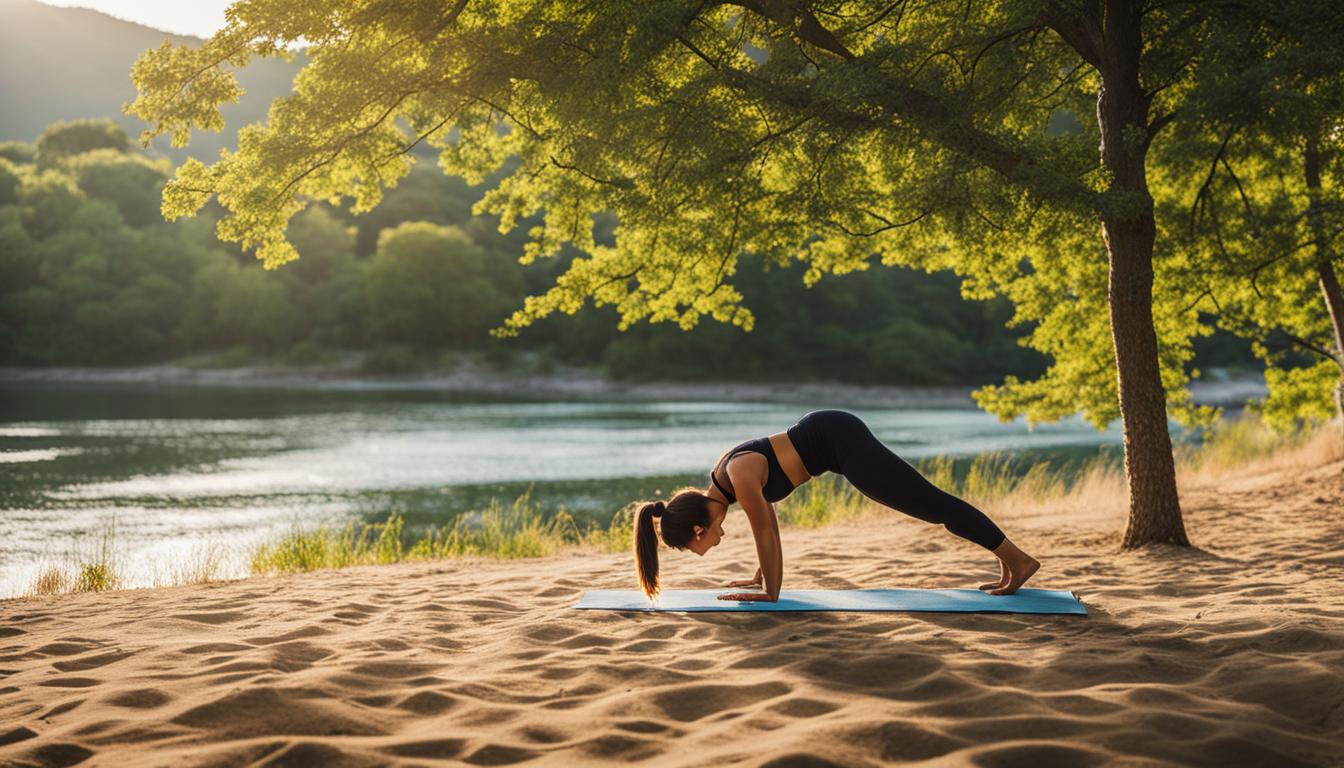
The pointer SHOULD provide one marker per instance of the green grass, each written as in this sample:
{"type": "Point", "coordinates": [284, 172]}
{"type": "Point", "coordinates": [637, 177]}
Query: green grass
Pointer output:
{"type": "Point", "coordinates": [87, 570]}
{"type": "Point", "coordinates": [520, 529]}
{"type": "Point", "coordinates": [1231, 442]}
{"type": "Point", "coordinates": [822, 500]}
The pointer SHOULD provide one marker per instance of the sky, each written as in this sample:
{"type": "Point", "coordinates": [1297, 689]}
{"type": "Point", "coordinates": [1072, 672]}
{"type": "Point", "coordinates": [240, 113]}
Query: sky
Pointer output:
{"type": "Point", "coordinates": [189, 17]}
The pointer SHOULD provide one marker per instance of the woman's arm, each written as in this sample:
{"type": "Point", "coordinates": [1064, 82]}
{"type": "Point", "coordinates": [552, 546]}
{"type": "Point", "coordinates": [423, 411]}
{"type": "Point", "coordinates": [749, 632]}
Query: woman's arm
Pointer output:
{"type": "Point", "coordinates": [765, 529]}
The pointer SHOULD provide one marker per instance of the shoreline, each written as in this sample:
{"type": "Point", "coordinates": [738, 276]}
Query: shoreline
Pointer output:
{"type": "Point", "coordinates": [582, 384]}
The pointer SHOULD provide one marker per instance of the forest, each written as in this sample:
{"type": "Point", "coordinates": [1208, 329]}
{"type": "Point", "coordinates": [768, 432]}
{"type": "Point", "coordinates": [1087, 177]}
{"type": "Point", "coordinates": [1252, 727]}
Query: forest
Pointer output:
{"type": "Point", "coordinates": [91, 274]}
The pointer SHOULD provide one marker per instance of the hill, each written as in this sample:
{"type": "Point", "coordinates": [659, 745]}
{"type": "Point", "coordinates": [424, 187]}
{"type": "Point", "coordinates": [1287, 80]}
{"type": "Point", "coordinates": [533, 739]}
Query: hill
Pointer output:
{"type": "Point", "coordinates": [68, 63]}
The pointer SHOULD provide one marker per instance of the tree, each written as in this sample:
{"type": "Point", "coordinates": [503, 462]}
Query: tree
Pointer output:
{"type": "Point", "coordinates": [130, 181]}
{"type": "Point", "coordinates": [76, 137]}
{"type": "Point", "coordinates": [17, 151]}
{"type": "Point", "coordinates": [9, 183]}
{"type": "Point", "coordinates": [430, 285]}
{"type": "Point", "coordinates": [823, 132]}
{"type": "Point", "coordinates": [1256, 190]}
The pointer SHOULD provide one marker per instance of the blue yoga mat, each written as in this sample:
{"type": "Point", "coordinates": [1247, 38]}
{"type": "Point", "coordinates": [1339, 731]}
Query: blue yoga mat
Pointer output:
{"type": "Point", "coordinates": [951, 600]}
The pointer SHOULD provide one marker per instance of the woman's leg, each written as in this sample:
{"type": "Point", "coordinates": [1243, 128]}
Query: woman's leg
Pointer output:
{"type": "Point", "coordinates": [888, 479]}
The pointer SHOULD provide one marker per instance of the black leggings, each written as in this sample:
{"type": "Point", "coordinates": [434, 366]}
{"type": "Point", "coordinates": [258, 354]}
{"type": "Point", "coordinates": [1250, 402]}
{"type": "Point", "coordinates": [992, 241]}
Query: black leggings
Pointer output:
{"type": "Point", "coordinates": [840, 442]}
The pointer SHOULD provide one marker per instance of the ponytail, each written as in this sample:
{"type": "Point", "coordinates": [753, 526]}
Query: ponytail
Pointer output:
{"type": "Point", "coordinates": [646, 547]}
{"type": "Point", "coordinates": [687, 509]}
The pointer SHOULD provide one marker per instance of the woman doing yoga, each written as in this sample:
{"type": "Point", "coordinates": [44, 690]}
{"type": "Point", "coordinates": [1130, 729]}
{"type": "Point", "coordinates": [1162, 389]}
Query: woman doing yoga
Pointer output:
{"type": "Point", "coordinates": [764, 470]}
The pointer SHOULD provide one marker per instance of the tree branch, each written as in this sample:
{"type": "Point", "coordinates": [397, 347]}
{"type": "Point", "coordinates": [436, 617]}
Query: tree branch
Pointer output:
{"type": "Point", "coordinates": [1081, 28]}
{"type": "Point", "coordinates": [800, 20]}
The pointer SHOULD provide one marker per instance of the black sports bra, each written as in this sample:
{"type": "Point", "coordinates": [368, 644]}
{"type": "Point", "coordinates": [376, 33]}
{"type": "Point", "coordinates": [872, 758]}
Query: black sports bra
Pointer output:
{"type": "Point", "coordinates": [777, 484]}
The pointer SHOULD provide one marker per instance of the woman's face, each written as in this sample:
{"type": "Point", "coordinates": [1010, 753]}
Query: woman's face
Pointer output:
{"type": "Point", "coordinates": [708, 538]}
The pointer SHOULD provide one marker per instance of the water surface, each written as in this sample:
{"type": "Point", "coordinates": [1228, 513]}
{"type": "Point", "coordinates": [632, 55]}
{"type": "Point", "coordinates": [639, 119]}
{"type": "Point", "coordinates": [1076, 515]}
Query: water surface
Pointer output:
{"type": "Point", "coordinates": [178, 467]}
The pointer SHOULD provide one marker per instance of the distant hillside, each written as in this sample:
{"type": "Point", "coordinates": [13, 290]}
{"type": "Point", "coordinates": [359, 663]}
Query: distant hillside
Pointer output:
{"type": "Point", "coordinates": [67, 63]}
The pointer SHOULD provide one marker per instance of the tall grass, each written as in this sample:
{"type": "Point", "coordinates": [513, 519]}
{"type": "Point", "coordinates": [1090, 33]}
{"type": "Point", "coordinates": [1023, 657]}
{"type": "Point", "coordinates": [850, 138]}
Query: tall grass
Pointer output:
{"type": "Point", "coordinates": [822, 500]}
{"type": "Point", "coordinates": [1248, 443]}
{"type": "Point", "coordinates": [520, 529]}
{"type": "Point", "coordinates": [302, 549]}
{"type": "Point", "coordinates": [85, 570]}
{"type": "Point", "coordinates": [204, 564]}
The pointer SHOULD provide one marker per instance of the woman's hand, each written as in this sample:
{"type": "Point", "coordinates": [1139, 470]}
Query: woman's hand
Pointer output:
{"type": "Point", "coordinates": [755, 582]}
{"type": "Point", "coordinates": [748, 597]}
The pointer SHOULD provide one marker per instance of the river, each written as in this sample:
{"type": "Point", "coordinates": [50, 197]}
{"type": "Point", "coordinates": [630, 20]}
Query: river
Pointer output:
{"type": "Point", "coordinates": [176, 467]}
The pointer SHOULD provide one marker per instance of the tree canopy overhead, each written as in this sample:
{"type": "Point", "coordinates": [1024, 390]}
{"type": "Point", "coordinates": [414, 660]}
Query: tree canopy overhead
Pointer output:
{"type": "Point", "coordinates": [657, 112]}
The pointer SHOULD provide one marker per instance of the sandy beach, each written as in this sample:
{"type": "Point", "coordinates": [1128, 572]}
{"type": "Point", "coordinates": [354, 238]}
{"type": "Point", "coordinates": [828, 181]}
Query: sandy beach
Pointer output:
{"type": "Point", "coordinates": [1227, 653]}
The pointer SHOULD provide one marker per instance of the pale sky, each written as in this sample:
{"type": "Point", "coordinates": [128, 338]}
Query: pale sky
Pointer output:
{"type": "Point", "coordinates": [188, 17]}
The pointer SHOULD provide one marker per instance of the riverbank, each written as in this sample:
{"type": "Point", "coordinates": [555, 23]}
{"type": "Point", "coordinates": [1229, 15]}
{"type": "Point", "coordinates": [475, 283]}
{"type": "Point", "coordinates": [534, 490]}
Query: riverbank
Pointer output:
{"type": "Point", "coordinates": [1227, 652]}
{"type": "Point", "coordinates": [568, 383]}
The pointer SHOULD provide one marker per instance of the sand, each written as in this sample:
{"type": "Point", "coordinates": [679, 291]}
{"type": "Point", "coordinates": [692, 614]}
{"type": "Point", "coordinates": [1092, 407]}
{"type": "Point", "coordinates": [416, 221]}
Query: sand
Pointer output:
{"type": "Point", "coordinates": [1230, 653]}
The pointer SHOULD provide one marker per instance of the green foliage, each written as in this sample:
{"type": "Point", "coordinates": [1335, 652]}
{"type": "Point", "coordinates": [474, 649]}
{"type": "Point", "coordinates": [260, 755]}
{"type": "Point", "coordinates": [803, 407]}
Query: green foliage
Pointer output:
{"type": "Point", "coordinates": [1300, 396]}
{"type": "Point", "coordinates": [1251, 231]}
{"type": "Point", "coordinates": [429, 285]}
{"type": "Point", "coordinates": [9, 183]}
{"type": "Point", "coordinates": [20, 152]}
{"type": "Point", "coordinates": [89, 274]}
{"type": "Point", "coordinates": [131, 182]}
{"type": "Point", "coordinates": [99, 570]}
{"type": "Point", "coordinates": [874, 326]}
{"type": "Point", "coordinates": [990, 477]}
{"type": "Point", "coordinates": [520, 529]}
{"type": "Point", "coordinates": [67, 139]}
{"type": "Point", "coordinates": [635, 77]}
{"type": "Point", "coordinates": [302, 549]}
{"type": "Point", "coordinates": [823, 500]}
{"type": "Point", "coordinates": [1230, 443]}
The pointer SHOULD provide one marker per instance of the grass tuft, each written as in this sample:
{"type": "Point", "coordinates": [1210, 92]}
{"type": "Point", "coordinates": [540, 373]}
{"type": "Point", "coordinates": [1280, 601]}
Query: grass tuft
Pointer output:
{"type": "Point", "coordinates": [52, 580]}
{"type": "Point", "coordinates": [204, 565]}
{"type": "Point", "coordinates": [302, 549]}
{"type": "Point", "coordinates": [100, 569]}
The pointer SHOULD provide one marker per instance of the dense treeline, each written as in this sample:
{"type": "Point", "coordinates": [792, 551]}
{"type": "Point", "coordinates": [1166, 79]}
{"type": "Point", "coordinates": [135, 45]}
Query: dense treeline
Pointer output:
{"type": "Point", "coordinates": [91, 274]}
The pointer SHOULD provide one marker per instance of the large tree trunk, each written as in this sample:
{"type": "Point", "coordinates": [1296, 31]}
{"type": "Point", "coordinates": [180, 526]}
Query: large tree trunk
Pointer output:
{"type": "Point", "coordinates": [1334, 302]}
{"type": "Point", "coordinates": [1129, 230]}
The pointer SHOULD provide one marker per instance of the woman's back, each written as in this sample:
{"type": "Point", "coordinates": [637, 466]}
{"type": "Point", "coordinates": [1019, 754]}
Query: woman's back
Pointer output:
{"type": "Point", "coordinates": [777, 483]}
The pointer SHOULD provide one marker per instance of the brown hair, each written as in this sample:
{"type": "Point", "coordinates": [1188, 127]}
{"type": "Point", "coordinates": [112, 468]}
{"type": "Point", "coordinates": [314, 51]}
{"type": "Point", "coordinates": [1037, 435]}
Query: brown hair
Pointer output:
{"type": "Point", "coordinates": [678, 516]}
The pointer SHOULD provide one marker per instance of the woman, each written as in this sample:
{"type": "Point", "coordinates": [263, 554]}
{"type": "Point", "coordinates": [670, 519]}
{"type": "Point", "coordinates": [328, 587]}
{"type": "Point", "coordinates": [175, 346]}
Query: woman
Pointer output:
{"type": "Point", "coordinates": [764, 470]}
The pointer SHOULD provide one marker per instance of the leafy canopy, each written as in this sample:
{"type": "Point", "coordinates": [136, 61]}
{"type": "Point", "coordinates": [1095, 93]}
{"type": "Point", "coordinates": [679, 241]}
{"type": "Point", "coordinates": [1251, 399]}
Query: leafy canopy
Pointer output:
{"type": "Point", "coordinates": [653, 111]}
{"type": "Point", "coordinates": [1234, 193]}
{"type": "Point", "coordinates": [900, 134]}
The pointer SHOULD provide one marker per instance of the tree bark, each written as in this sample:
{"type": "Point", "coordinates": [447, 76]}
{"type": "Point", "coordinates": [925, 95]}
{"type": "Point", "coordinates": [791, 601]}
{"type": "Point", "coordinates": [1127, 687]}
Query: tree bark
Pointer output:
{"type": "Point", "coordinates": [1129, 229]}
{"type": "Point", "coordinates": [1334, 302]}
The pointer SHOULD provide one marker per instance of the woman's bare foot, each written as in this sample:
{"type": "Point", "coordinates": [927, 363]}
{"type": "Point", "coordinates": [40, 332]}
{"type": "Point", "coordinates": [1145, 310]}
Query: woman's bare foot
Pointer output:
{"type": "Point", "coordinates": [1020, 573]}
{"type": "Point", "coordinates": [1020, 567]}
{"type": "Point", "coordinates": [1003, 578]}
